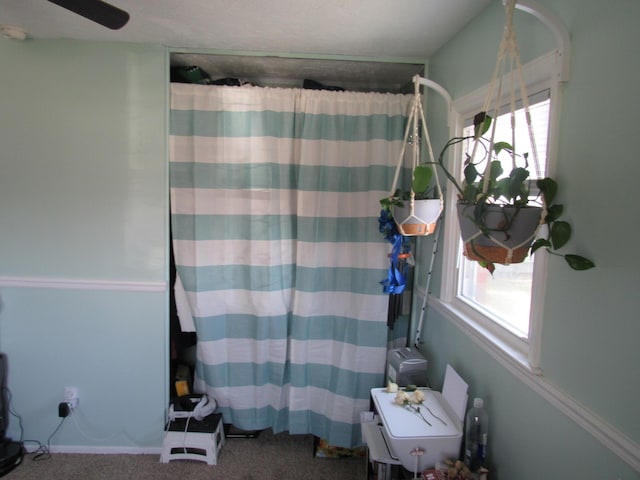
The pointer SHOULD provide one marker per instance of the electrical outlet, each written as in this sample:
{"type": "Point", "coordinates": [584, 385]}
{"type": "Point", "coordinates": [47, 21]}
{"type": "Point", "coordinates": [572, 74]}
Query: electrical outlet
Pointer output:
{"type": "Point", "coordinates": [71, 396]}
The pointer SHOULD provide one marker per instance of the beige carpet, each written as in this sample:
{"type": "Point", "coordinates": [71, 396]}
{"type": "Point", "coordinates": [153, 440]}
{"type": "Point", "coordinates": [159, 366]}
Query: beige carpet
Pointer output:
{"type": "Point", "coordinates": [267, 457]}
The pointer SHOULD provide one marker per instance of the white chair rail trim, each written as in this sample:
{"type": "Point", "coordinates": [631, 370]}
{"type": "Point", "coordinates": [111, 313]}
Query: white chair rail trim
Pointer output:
{"type": "Point", "coordinates": [82, 284]}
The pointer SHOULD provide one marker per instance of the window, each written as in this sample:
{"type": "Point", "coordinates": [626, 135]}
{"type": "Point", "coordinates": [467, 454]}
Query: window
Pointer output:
{"type": "Point", "coordinates": [503, 310]}
{"type": "Point", "coordinates": [505, 297]}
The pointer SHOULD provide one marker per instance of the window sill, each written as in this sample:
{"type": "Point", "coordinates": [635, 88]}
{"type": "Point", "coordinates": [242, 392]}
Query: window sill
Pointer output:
{"type": "Point", "coordinates": [505, 352]}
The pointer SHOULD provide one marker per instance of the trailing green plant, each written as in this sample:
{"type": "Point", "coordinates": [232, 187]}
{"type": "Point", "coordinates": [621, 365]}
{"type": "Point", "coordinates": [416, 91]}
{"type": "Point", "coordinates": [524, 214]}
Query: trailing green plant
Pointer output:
{"type": "Point", "coordinates": [490, 187]}
{"type": "Point", "coordinates": [420, 184]}
{"type": "Point", "coordinates": [558, 231]}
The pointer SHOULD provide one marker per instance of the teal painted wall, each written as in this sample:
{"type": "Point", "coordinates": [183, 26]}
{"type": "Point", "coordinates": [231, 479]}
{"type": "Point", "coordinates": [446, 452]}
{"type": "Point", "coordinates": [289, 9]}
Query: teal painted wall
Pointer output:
{"type": "Point", "coordinates": [591, 327]}
{"type": "Point", "coordinates": [82, 160]}
{"type": "Point", "coordinates": [83, 197]}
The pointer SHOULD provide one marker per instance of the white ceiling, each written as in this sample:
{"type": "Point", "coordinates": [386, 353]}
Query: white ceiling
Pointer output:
{"type": "Point", "coordinates": [389, 29]}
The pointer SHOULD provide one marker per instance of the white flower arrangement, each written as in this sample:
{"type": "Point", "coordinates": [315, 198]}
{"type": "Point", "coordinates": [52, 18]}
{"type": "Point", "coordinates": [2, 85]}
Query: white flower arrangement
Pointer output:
{"type": "Point", "coordinates": [392, 387]}
{"type": "Point", "coordinates": [411, 398]}
{"type": "Point", "coordinates": [402, 398]}
{"type": "Point", "coordinates": [406, 397]}
{"type": "Point", "coordinates": [417, 396]}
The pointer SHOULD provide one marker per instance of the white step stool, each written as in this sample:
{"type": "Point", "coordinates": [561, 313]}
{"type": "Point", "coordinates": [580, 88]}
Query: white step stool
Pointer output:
{"type": "Point", "coordinates": [191, 439]}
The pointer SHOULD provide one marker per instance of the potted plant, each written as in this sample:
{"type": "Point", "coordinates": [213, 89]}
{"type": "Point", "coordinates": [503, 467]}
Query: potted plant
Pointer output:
{"type": "Point", "coordinates": [414, 211]}
{"type": "Point", "coordinates": [498, 214]}
{"type": "Point", "coordinates": [501, 215]}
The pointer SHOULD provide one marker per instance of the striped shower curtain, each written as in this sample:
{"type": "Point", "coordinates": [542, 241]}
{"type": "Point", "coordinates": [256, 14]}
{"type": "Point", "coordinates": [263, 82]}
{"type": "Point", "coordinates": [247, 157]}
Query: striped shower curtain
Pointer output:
{"type": "Point", "coordinates": [274, 206]}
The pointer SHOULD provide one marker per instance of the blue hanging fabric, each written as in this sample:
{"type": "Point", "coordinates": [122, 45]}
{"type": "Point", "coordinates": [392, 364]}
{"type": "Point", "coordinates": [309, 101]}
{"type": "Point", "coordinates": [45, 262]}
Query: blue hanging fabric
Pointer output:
{"type": "Point", "coordinates": [396, 277]}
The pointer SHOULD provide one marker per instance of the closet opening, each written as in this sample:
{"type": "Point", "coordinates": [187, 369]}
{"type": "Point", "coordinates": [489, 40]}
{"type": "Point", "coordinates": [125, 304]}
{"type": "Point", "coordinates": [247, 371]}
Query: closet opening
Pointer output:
{"type": "Point", "coordinates": [270, 71]}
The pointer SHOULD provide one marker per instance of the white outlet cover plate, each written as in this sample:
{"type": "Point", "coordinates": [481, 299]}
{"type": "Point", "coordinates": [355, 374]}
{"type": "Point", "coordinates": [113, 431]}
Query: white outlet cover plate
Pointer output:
{"type": "Point", "coordinates": [70, 393]}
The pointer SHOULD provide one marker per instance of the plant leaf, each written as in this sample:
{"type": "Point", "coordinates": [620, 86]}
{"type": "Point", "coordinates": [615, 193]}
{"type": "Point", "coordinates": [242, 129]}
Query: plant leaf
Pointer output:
{"type": "Point", "coordinates": [499, 146]}
{"type": "Point", "coordinates": [515, 184]}
{"type": "Point", "coordinates": [421, 178]}
{"type": "Point", "coordinates": [549, 188]}
{"type": "Point", "coordinates": [553, 213]}
{"type": "Point", "coordinates": [504, 187]}
{"type": "Point", "coordinates": [540, 243]}
{"type": "Point", "coordinates": [490, 266]}
{"type": "Point", "coordinates": [496, 170]}
{"type": "Point", "coordinates": [560, 234]}
{"type": "Point", "coordinates": [470, 173]}
{"type": "Point", "coordinates": [578, 262]}
{"type": "Point", "coordinates": [481, 124]}
{"type": "Point", "coordinates": [470, 193]}
{"type": "Point", "coordinates": [519, 174]}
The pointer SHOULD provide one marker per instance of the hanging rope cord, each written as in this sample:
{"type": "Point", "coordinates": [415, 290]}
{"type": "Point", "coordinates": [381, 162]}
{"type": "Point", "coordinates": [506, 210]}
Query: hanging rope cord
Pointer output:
{"type": "Point", "coordinates": [509, 50]}
{"type": "Point", "coordinates": [395, 281]}
{"type": "Point", "coordinates": [416, 115]}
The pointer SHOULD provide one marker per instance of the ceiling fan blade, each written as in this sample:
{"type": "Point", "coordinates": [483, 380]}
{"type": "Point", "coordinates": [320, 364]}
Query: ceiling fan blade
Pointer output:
{"type": "Point", "coordinates": [96, 11]}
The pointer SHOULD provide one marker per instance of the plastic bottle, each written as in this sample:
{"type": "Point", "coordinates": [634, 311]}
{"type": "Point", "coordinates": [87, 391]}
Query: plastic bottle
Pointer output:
{"type": "Point", "coordinates": [475, 438]}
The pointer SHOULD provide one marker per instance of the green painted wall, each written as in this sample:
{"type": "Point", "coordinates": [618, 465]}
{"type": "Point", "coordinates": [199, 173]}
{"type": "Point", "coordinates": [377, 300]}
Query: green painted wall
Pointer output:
{"type": "Point", "coordinates": [591, 327]}
{"type": "Point", "coordinates": [82, 160]}
{"type": "Point", "coordinates": [83, 197]}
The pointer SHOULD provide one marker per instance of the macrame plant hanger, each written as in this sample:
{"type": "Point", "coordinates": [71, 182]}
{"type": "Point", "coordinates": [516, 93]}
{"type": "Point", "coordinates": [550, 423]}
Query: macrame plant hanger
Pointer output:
{"type": "Point", "coordinates": [415, 120]}
{"type": "Point", "coordinates": [562, 75]}
{"type": "Point", "coordinates": [395, 283]}
{"type": "Point", "coordinates": [508, 68]}
{"type": "Point", "coordinates": [417, 117]}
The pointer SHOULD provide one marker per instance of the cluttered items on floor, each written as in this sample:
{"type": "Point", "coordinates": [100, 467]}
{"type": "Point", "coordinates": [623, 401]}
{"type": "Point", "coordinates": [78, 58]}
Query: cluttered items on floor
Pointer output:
{"type": "Point", "coordinates": [323, 449]}
{"type": "Point", "coordinates": [194, 431]}
{"type": "Point", "coordinates": [451, 470]}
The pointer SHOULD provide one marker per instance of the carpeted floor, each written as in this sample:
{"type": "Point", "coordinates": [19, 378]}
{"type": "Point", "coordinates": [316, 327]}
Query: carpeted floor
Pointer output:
{"type": "Point", "coordinates": [267, 457]}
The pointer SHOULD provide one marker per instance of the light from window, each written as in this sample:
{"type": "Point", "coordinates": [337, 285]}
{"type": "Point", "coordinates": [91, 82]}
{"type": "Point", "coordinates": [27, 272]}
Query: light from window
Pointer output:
{"type": "Point", "coordinates": [505, 297]}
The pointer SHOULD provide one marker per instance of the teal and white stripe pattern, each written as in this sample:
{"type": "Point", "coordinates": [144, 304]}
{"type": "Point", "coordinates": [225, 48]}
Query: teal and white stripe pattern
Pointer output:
{"type": "Point", "coordinates": [274, 201]}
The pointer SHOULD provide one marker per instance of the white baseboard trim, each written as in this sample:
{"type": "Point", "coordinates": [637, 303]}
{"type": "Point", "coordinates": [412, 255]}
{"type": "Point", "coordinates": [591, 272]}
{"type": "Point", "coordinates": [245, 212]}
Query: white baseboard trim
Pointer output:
{"type": "Point", "coordinates": [82, 284]}
{"type": "Point", "coordinates": [604, 432]}
{"type": "Point", "coordinates": [96, 450]}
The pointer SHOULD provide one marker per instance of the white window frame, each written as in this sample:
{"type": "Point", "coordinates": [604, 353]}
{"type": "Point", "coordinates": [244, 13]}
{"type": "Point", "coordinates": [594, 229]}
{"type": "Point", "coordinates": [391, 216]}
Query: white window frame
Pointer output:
{"type": "Point", "coordinates": [539, 74]}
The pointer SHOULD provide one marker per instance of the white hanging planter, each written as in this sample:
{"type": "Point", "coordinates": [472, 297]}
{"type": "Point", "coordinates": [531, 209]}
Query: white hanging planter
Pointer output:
{"type": "Point", "coordinates": [417, 217]}
{"type": "Point", "coordinates": [492, 202]}
{"type": "Point", "coordinates": [509, 232]}
{"type": "Point", "coordinates": [419, 220]}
